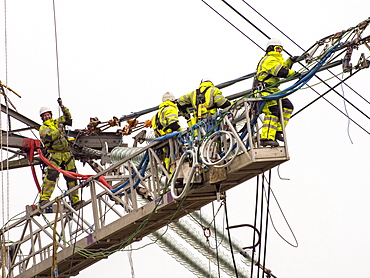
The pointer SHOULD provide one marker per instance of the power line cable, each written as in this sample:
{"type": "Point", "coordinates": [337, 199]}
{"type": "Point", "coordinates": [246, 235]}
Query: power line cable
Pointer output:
{"type": "Point", "coordinates": [297, 45]}
{"type": "Point", "coordinates": [323, 81]}
{"type": "Point", "coordinates": [322, 96]}
{"type": "Point", "coordinates": [304, 50]}
{"type": "Point", "coordinates": [235, 10]}
{"type": "Point", "coordinates": [233, 25]}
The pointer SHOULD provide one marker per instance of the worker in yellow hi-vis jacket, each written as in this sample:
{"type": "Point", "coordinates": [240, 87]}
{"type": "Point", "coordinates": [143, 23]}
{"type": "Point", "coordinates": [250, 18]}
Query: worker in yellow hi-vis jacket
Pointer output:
{"type": "Point", "coordinates": [203, 102]}
{"type": "Point", "coordinates": [165, 121]}
{"type": "Point", "coordinates": [270, 69]}
{"type": "Point", "coordinates": [53, 136]}
{"type": "Point", "coordinates": [167, 118]}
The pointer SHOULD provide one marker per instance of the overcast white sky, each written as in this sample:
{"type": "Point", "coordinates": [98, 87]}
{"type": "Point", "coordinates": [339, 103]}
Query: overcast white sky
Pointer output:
{"type": "Point", "coordinates": [117, 57]}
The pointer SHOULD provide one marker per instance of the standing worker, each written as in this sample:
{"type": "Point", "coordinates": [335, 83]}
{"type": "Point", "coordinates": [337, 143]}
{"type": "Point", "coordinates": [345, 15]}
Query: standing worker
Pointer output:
{"type": "Point", "coordinates": [203, 101]}
{"type": "Point", "coordinates": [53, 136]}
{"type": "Point", "coordinates": [270, 69]}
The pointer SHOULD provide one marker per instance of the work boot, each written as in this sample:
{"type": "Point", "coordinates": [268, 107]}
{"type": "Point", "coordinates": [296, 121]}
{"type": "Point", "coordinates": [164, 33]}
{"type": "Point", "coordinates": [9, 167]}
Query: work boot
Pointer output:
{"type": "Point", "coordinates": [78, 205]}
{"type": "Point", "coordinates": [43, 202]}
{"type": "Point", "coordinates": [266, 142]}
{"type": "Point", "coordinates": [279, 136]}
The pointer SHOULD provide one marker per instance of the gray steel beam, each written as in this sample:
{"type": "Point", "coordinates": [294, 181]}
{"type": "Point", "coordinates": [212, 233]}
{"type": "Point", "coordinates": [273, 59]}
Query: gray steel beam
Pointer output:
{"type": "Point", "coordinates": [20, 117]}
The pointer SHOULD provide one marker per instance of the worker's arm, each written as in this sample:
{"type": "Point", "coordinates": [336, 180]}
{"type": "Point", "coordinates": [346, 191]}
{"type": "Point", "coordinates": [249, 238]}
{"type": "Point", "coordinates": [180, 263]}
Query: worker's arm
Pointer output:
{"type": "Point", "coordinates": [66, 119]}
{"type": "Point", "coordinates": [219, 100]}
{"type": "Point", "coordinates": [175, 126]}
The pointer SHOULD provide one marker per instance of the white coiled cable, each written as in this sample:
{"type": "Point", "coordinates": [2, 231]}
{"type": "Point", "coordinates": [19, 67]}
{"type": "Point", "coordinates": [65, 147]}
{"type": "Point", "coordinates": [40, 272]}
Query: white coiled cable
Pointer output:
{"type": "Point", "coordinates": [209, 154]}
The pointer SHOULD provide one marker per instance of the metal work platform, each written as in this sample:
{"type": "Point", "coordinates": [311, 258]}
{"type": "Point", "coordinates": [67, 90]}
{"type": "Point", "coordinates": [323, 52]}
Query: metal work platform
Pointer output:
{"type": "Point", "coordinates": [150, 217]}
{"type": "Point", "coordinates": [134, 197]}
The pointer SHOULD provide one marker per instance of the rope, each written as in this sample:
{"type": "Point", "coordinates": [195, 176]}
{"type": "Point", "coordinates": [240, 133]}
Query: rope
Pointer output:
{"type": "Point", "coordinates": [254, 224]}
{"type": "Point", "coordinates": [3, 256]}
{"type": "Point", "coordinates": [56, 46]}
{"type": "Point", "coordinates": [261, 228]}
{"type": "Point", "coordinates": [267, 220]}
{"type": "Point", "coordinates": [216, 245]}
{"type": "Point", "coordinates": [129, 254]}
{"type": "Point", "coordinates": [229, 236]}
{"type": "Point", "coordinates": [286, 221]}
{"type": "Point", "coordinates": [345, 109]}
{"type": "Point", "coordinates": [4, 262]}
{"type": "Point", "coordinates": [54, 267]}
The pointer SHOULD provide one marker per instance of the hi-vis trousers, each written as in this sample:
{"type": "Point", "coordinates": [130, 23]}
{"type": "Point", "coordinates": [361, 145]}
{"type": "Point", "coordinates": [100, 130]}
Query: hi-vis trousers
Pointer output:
{"type": "Point", "coordinates": [271, 121]}
{"type": "Point", "coordinates": [65, 161]}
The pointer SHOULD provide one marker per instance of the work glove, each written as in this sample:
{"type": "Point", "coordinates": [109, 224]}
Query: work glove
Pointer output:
{"type": "Point", "coordinates": [60, 101]}
{"type": "Point", "coordinates": [61, 127]}
{"type": "Point", "coordinates": [294, 59]}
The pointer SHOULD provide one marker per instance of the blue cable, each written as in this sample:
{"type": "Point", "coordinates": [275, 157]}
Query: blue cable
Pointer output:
{"type": "Point", "coordinates": [300, 83]}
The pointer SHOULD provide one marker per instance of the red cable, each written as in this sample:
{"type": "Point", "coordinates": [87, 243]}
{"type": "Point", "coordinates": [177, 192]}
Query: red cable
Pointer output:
{"type": "Point", "coordinates": [30, 144]}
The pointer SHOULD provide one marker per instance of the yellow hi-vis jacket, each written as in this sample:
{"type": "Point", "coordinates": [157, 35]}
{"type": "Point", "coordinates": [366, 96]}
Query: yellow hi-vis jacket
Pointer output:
{"type": "Point", "coordinates": [52, 132]}
{"type": "Point", "coordinates": [167, 119]}
{"type": "Point", "coordinates": [205, 100]}
{"type": "Point", "coordinates": [272, 67]}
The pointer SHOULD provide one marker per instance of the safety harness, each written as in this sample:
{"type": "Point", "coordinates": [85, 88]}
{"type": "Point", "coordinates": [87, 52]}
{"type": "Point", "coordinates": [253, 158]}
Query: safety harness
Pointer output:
{"type": "Point", "coordinates": [200, 102]}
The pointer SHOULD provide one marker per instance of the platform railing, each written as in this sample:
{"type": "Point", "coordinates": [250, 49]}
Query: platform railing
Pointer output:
{"type": "Point", "coordinates": [31, 238]}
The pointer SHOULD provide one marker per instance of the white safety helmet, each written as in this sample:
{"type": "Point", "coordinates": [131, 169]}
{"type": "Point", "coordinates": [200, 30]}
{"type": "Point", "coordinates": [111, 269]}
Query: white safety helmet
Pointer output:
{"type": "Point", "coordinates": [168, 96]}
{"type": "Point", "coordinates": [273, 42]}
{"type": "Point", "coordinates": [44, 109]}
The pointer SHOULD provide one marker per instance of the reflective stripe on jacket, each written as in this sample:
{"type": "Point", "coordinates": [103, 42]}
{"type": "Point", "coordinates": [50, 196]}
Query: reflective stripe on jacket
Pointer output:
{"type": "Point", "coordinates": [52, 137]}
{"type": "Point", "coordinates": [211, 98]}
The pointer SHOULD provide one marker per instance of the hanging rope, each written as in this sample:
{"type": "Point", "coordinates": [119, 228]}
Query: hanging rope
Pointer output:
{"type": "Point", "coordinates": [54, 267]}
{"type": "Point", "coordinates": [266, 224]}
{"type": "Point", "coordinates": [229, 236]}
{"type": "Point", "coordinates": [56, 47]}
{"type": "Point", "coordinates": [254, 224]}
{"type": "Point", "coordinates": [5, 192]}
{"type": "Point", "coordinates": [214, 227]}
{"type": "Point", "coordinates": [3, 256]}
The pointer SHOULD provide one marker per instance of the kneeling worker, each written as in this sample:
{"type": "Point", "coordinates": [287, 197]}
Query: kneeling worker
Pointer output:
{"type": "Point", "coordinates": [166, 121]}
{"type": "Point", "coordinates": [167, 118]}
